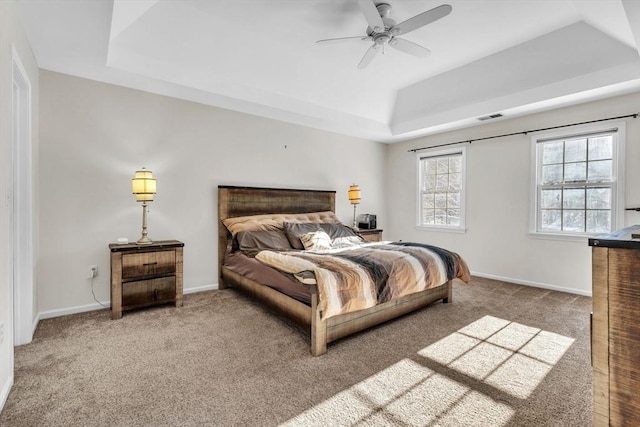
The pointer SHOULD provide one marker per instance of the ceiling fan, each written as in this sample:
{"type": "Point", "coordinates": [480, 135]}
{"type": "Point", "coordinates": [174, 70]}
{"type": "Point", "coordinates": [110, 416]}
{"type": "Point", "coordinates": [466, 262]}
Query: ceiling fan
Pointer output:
{"type": "Point", "coordinates": [383, 30]}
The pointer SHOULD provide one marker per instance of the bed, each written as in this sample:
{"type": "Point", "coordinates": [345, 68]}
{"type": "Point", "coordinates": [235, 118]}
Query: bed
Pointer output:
{"type": "Point", "coordinates": [236, 203]}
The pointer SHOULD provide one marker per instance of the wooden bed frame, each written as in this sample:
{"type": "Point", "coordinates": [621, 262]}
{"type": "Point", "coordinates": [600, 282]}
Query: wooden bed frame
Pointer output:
{"type": "Point", "coordinates": [242, 201]}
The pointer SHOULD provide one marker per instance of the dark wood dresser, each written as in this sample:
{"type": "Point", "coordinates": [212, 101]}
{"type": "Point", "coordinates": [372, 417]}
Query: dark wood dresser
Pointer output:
{"type": "Point", "coordinates": [145, 275]}
{"type": "Point", "coordinates": [615, 339]}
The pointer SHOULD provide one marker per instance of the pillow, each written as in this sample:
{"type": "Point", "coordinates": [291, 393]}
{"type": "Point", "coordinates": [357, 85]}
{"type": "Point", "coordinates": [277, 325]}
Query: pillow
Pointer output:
{"type": "Point", "coordinates": [338, 230]}
{"type": "Point", "coordinates": [334, 230]}
{"type": "Point", "coordinates": [295, 230]}
{"type": "Point", "coordinates": [263, 239]}
{"type": "Point", "coordinates": [316, 240]}
{"type": "Point", "coordinates": [275, 221]}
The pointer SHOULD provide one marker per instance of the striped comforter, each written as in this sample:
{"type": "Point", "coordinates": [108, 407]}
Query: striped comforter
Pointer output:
{"type": "Point", "coordinates": [359, 277]}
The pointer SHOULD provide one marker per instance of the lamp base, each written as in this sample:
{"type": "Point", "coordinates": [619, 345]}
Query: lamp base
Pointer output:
{"type": "Point", "coordinates": [355, 223]}
{"type": "Point", "coordinates": [144, 240]}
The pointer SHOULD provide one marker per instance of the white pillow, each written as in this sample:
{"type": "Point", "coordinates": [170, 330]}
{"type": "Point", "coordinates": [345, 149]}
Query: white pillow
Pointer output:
{"type": "Point", "coordinates": [316, 240]}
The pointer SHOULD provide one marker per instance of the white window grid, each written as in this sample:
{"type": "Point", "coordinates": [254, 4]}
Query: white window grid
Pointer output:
{"type": "Point", "coordinates": [451, 215]}
{"type": "Point", "coordinates": [585, 185]}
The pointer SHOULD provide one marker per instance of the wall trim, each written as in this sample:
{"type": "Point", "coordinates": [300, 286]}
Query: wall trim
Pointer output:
{"type": "Point", "coordinates": [96, 306]}
{"type": "Point", "coordinates": [214, 286]}
{"type": "Point", "coordinates": [71, 310]}
{"type": "Point", "coordinates": [35, 324]}
{"type": "Point", "coordinates": [22, 203]}
{"type": "Point", "coordinates": [532, 284]}
{"type": "Point", "coordinates": [6, 388]}
{"type": "Point", "coordinates": [211, 287]}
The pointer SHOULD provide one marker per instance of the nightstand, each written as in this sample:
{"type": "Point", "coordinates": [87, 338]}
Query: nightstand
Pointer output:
{"type": "Point", "coordinates": [145, 275]}
{"type": "Point", "coordinates": [374, 235]}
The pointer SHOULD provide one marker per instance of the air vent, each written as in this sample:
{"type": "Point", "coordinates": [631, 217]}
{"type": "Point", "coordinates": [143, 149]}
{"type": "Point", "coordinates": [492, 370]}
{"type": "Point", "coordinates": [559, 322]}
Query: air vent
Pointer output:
{"type": "Point", "coordinates": [490, 117]}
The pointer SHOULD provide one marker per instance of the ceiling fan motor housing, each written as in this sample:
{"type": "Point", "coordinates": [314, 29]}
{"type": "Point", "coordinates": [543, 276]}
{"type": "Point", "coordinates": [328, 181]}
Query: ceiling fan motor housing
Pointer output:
{"type": "Point", "coordinates": [384, 9]}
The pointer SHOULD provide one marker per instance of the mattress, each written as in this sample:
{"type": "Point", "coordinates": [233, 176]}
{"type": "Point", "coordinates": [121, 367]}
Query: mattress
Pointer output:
{"type": "Point", "coordinates": [253, 269]}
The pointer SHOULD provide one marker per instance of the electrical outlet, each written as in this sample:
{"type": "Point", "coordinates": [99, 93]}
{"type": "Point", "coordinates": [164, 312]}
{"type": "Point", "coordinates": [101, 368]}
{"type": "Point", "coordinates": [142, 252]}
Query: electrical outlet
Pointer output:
{"type": "Point", "coordinates": [93, 271]}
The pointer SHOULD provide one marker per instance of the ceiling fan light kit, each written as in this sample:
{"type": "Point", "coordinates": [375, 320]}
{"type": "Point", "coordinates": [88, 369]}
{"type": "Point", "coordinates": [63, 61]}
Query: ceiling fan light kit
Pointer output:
{"type": "Point", "coordinates": [383, 30]}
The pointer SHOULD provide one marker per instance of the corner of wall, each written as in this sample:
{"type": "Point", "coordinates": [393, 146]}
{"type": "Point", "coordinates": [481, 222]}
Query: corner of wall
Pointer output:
{"type": "Point", "coordinates": [6, 388]}
{"type": "Point", "coordinates": [12, 38]}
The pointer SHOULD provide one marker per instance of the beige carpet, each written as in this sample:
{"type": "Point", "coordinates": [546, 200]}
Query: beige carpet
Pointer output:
{"type": "Point", "coordinates": [500, 355]}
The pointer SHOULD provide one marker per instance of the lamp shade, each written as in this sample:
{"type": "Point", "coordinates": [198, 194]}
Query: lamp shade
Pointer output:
{"type": "Point", "coordinates": [143, 185]}
{"type": "Point", "coordinates": [354, 194]}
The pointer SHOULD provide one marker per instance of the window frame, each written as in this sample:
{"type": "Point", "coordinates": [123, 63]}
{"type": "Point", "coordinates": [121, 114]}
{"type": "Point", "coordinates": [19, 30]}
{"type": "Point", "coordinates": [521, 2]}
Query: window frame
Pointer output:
{"type": "Point", "coordinates": [461, 228]}
{"type": "Point", "coordinates": [617, 181]}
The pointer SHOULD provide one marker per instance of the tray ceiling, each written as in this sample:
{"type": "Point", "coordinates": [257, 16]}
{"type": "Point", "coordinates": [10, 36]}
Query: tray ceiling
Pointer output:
{"type": "Point", "coordinates": [260, 57]}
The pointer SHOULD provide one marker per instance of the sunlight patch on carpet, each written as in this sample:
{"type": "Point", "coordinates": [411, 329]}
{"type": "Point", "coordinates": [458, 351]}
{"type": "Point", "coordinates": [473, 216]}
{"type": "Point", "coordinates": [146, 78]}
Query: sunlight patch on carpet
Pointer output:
{"type": "Point", "coordinates": [505, 355]}
{"type": "Point", "coordinates": [410, 394]}
{"type": "Point", "coordinates": [509, 356]}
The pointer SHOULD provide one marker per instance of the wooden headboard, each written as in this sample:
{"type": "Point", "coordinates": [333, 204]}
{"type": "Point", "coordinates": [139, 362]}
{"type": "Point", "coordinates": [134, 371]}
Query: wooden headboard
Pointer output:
{"type": "Point", "coordinates": [242, 201]}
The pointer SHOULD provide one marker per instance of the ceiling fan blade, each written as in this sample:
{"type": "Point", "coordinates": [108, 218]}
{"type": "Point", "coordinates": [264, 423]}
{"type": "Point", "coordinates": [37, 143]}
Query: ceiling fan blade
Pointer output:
{"type": "Point", "coordinates": [339, 39]}
{"type": "Point", "coordinates": [369, 55]}
{"type": "Point", "coordinates": [409, 47]}
{"type": "Point", "coordinates": [372, 15]}
{"type": "Point", "coordinates": [421, 20]}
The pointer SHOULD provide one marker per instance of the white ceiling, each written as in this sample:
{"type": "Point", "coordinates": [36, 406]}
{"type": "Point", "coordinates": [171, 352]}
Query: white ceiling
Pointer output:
{"type": "Point", "coordinates": [260, 57]}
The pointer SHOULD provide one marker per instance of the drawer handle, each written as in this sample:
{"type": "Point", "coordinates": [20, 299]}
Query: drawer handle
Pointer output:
{"type": "Point", "coordinates": [148, 264]}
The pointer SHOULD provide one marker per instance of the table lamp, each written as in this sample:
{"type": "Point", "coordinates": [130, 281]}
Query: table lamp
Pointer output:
{"type": "Point", "coordinates": [354, 199]}
{"type": "Point", "coordinates": [143, 186]}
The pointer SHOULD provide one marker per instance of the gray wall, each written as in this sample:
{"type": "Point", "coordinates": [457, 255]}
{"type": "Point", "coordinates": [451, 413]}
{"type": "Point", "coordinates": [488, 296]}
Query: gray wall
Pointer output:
{"type": "Point", "coordinates": [497, 242]}
{"type": "Point", "coordinates": [94, 136]}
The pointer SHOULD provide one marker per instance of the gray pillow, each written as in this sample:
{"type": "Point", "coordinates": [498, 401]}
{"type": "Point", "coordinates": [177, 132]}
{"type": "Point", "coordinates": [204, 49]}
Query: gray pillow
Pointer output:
{"type": "Point", "coordinates": [295, 230]}
{"type": "Point", "coordinates": [263, 239]}
{"type": "Point", "coordinates": [337, 230]}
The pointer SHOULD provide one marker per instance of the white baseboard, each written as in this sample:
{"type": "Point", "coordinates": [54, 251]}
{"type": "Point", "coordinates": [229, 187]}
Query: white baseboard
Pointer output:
{"type": "Point", "coordinates": [533, 284]}
{"type": "Point", "coordinates": [6, 388]}
{"type": "Point", "coordinates": [200, 289]}
{"type": "Point", "coordinates": [35, 324]}
{"type": "Point", "coordinates": [71, 310]}
{"type": "Point", "coordinates": [96, 306]}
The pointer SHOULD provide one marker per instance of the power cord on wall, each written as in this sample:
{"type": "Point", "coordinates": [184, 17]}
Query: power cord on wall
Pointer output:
{"type": "Point", "coordinates": [94, 296]}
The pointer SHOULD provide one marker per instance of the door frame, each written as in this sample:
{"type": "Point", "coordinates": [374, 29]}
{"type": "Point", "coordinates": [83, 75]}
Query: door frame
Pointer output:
{"type": "Point", "coordinates": [22, 205]}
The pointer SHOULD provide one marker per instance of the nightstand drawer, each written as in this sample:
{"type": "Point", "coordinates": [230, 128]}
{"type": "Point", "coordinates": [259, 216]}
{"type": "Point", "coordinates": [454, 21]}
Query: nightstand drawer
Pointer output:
{"type": "Point", "coordinates": [148, 264]}
{"type": "Point", "coordinates": [148, 292]}
{"type": "Point", "coordinates": [145, 275]}
{"type": "Point", "coordinates": [374, 235]}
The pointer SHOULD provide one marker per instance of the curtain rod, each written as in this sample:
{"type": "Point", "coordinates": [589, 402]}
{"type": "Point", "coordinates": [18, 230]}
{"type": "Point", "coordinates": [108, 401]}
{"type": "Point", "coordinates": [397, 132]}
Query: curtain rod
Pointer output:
{"type": "Point", "coordinates": [524, 132]}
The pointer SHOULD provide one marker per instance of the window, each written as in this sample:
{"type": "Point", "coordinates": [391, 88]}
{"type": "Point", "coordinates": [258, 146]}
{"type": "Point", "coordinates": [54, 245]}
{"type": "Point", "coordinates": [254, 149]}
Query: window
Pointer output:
{"type": "Point", "coordinates": [577, 186]}
{"type": "Point", "coordinates": [441, 189]}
